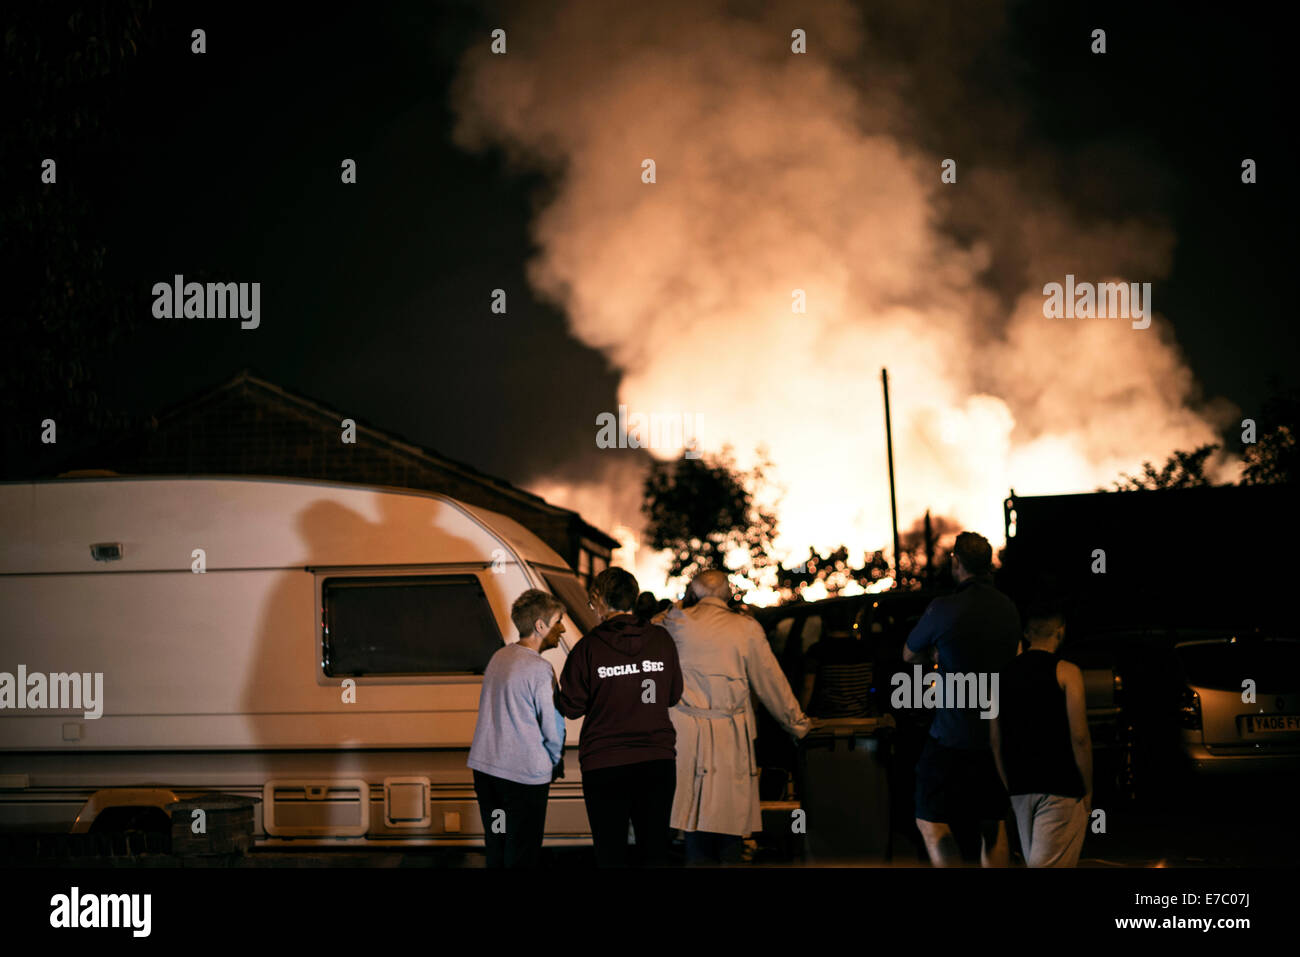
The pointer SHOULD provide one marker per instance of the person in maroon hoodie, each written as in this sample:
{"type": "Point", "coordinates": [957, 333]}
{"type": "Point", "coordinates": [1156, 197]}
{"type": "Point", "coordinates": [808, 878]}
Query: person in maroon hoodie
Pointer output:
{"type": "Point", "coordinates": [622, 677]}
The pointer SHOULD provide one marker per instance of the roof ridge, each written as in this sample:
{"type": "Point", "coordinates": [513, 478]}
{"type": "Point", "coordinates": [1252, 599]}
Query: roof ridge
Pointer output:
{"type": "Point", "coordinates": [249, 377]}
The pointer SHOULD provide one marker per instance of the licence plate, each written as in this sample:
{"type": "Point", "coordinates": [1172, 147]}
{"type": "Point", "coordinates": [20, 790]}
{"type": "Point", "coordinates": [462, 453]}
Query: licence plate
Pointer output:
{"type": "Point", "coordinates": [1264, 723]}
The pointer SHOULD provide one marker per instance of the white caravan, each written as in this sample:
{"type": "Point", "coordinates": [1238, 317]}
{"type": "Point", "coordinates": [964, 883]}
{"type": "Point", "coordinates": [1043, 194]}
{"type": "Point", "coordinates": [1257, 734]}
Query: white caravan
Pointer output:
{"type": "Point", "coordinates": [316, 645]}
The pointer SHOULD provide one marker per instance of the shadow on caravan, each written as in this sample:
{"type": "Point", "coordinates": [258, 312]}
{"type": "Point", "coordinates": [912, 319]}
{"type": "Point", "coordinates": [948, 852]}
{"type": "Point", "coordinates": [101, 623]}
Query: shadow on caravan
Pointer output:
{"type": "Point", "coordinates": [316, 646]}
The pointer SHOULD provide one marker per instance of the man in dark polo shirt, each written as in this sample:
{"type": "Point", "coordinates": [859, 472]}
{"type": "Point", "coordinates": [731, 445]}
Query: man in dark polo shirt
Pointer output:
{"type": "Point", "coordinates": [975, 631]}
{"type": "Point", "coordinates": [622, 677]}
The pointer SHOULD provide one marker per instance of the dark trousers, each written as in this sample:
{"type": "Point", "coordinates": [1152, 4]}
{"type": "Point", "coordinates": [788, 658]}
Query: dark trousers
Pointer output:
{"type": "Point", "coordinates": [641, 793]}
{"type": "Point", "coordinates": [706, 847]}
{"type": "Point", "coordinates": [513, 838]}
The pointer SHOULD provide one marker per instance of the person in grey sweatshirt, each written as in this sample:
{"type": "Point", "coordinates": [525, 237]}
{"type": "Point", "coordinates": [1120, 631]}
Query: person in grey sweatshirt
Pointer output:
{"type": "Point", "coordinates": [518, 742]}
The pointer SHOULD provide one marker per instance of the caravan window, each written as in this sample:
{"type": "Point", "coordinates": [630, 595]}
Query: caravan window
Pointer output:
{"type": "Point", "coordinates": [407, 625]}
{"type": "Point", "coordinates": [574, 598]}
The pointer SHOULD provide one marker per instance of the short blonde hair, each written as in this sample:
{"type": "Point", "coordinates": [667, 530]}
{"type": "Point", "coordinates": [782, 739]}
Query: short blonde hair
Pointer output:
{"type": "Point", "coordinates": [532, 606]}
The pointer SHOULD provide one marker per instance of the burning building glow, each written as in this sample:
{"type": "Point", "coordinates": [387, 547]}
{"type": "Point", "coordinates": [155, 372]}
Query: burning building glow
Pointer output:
{"type": "Point", "coordinates": [784, 178]}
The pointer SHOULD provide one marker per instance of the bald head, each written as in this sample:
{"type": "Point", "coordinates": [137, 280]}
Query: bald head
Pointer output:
{"type": "Point", "coordinates": [711, 584]}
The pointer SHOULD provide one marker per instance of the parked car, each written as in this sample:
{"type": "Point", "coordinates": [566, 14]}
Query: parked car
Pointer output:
{"type": "Point", "coordinates": [1126, 687]}
{"type": "Point", "coordinates": [1179, 705]}
{"type": "Point", "coordinates": [887, 618]}
{"type": "Point", "coordinates": [1239, 707]}
{"type": "Point", "coordinates": [882, 620]}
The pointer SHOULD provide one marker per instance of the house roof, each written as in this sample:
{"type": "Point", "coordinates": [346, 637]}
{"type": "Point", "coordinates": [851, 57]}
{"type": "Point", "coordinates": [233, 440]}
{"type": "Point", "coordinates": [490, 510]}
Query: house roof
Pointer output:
{"type": "Point", "coordinates": [248, 380]}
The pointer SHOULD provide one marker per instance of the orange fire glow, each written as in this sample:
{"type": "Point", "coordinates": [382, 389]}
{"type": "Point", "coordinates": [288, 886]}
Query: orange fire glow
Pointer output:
{"type": "Point", "coordinates": [778, 174]}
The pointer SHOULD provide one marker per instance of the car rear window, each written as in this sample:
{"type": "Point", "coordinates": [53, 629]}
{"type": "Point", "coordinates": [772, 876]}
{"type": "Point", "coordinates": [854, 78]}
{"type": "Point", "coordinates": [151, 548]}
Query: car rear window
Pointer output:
{"type": "Point", "coordinates": [812, 631]}
{"type": "Point", "coordinates": [779, 634]}
{"type": "Point", "coordinates": [1274, 665]}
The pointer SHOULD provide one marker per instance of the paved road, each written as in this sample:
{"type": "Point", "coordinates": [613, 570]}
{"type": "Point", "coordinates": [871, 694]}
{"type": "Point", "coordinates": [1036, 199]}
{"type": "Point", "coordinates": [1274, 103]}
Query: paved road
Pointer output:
{"type": "Point", "coordinates": [1241, 821]}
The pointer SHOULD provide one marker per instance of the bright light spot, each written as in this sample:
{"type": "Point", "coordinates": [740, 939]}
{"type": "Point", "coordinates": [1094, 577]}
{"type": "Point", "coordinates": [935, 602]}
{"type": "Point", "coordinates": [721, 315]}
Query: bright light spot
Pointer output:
{"type": "Point", "coordinates": [814, 591]}
{"type": "Point", "coordinates": [762, 597]}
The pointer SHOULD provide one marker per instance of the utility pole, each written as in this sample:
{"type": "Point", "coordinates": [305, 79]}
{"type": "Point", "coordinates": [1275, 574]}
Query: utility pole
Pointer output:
{"type": "Point", "coordinates": [893, 503]}
{"type": "Point", "coordinates": [929, 551]}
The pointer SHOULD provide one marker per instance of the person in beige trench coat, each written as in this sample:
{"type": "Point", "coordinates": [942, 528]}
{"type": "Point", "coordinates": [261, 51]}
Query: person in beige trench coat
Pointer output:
{"type": "Point", "coordinates": [724, 655]}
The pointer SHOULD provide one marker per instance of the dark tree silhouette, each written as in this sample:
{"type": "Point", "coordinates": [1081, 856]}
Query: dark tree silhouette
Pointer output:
{"type": "Point", "coordinates": [702, 509]}
{"type": "Point", "coordinates": [1274, 458]}
{"type": "Point", "coordinates": [1181, 470]}
{"type": "Point", "coordinates": [835, 571]}
{"type": "Point", "coordinates": [64, 69]}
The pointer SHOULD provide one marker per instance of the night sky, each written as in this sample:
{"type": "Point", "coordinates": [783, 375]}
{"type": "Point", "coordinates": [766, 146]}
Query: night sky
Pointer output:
{"type": "Point", "coordinates": [380, 291]}
{"type": "Point", "coordinates": [375, 297]}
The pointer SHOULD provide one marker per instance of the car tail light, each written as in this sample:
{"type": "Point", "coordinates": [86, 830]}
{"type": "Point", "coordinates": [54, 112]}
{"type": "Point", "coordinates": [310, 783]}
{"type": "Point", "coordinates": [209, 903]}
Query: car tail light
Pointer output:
{"type": "Point", "coordinates": [1189, 711]}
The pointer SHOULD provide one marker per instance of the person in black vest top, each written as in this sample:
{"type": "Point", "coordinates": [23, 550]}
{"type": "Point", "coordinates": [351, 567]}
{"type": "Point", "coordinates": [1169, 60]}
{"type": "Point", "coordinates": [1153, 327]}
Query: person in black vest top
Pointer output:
{"type": "Point", "coordinates": [1041, 745]}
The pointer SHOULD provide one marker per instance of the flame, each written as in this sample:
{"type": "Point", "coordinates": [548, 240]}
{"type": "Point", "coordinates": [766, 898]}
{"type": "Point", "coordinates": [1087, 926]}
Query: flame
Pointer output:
{"type": "Point", "coordinates": [779, 172]}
